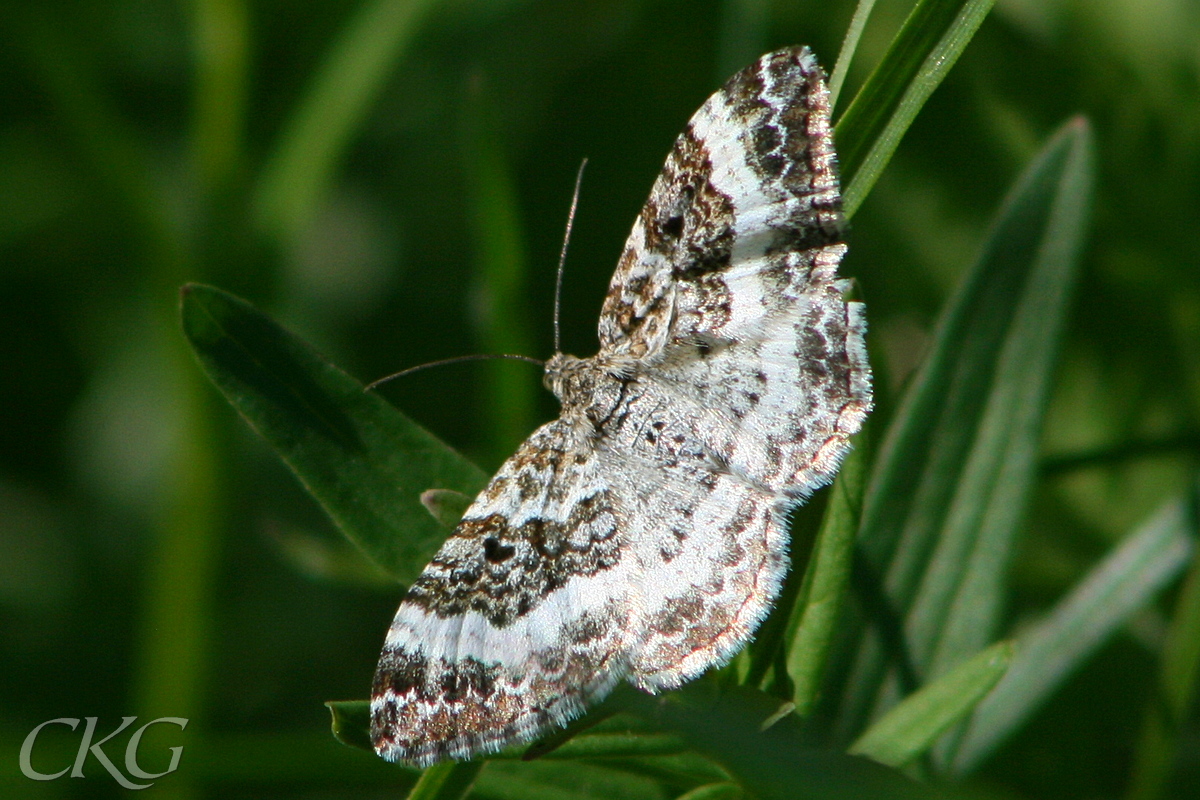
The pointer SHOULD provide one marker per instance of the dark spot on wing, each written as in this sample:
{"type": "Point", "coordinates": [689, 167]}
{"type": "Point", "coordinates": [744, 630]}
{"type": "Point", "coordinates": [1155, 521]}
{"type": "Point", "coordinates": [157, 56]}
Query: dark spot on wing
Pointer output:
{"type": "Point", "coordinates": [673, 226]}
{"type": "Point", "coordinates": [495, 552]}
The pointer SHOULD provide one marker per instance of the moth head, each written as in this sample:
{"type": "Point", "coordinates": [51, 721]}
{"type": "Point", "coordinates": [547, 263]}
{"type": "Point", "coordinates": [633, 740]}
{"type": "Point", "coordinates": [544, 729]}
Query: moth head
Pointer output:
{"type": "Point", "coordinates": [563, 374]}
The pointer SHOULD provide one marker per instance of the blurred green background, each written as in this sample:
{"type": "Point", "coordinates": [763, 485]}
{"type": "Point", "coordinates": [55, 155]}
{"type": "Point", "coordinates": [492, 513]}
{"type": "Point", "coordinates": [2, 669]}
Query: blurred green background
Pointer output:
{"type": "Point", "coordinates": [156, 559]}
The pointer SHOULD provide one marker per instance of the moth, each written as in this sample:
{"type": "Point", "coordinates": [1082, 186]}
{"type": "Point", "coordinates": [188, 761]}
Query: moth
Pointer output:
{"type": "Point", "coordinates": [643, 535]}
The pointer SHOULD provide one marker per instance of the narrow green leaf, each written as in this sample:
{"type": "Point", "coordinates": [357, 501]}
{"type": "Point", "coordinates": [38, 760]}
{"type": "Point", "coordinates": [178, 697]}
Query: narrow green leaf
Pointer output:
{"type": "Point", "coordinates": [1168, 708]}
{"type": "Point", "coordinates": [950, 482]}
{"type": "Point", "coordinates": [1047, 653]}
{"type": "Point", "coordinates": [955, 611]}
{"type": "Point", "coordinates": [912, 727]}
{"type": "Point", "coordinates": [365, 463]}
{"type": "Point", "coordinates": [447, 781]}
{"type": "Point", "coordinates": [334, 107]}
{"type": "Point", "coordinates": [927, 46]}
{"type": "Point", "coordinates": [862, 12]}
{"type": "Point", "coordinates": [351, 723]}
{"type": "Point", "coordinates": [818, 608]}
{"type": "Point", "coordinates": [763, 664]}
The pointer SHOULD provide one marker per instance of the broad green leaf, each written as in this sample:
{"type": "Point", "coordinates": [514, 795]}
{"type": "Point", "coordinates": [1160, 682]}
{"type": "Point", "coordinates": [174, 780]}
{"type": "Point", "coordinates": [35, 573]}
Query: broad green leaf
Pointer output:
{"type": "Point", "coordinates": [365, 462]}
{"type": "Point", "coordinates": [1049, 652]}
{"type": "Point", "coordinates": [927, 46]}
{"type": "Point", "coordinates": [332, 110]}
{"type": "Point", "coordinates": [912, 727]}
{"type": "Point", "coordinates": [953, 474]}
{"type": "Point", "coordinates": [818, 608]}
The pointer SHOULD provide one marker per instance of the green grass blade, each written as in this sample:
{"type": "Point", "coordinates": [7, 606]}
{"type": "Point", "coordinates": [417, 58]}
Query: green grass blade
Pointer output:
{"type": "Point", "coordinates": [313, 140]}
{"type": "Point", "coordinates": [927, 46]}
{"type": "Point", "coordinates": [912, 727]}
{"type": "Point", "coordinates": [963, 401]}
{"type": "Point", "coordinates": [447, 781]}
{"type": "Point", "coordinates": [221, 45]}
{"type": "Point", "coordinates": [365, 463]}
{"type": "Point", "coordinates": [862, 12]}
{"type": "Point", "coordinates": [1167, 710]}
{"type": "Point", "coordinates": [954, 615]}
{"type": "Point", "coordinates": [818, 609]}
{"type": "Point", "coordinates": [1141, 566]}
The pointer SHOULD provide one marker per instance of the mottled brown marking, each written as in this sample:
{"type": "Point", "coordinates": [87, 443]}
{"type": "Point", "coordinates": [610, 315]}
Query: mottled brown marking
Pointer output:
{"type": "Point", "coordinates": [686, 218]}
{"type": "Point", "coordinates": [513, 568]}
{"type": "Point", "coordinates": [744, 93]}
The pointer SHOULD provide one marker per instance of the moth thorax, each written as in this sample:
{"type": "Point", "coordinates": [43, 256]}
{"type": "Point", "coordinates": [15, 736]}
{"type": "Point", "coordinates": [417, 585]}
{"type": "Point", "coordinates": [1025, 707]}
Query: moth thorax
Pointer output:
{"type": "Point", "coordinates": [566, 375]}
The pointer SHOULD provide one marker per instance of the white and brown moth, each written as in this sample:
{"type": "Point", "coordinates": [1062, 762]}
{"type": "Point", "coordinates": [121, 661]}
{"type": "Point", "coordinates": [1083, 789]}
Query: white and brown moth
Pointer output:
{"type": "Point", "coordinates": [643, 534]}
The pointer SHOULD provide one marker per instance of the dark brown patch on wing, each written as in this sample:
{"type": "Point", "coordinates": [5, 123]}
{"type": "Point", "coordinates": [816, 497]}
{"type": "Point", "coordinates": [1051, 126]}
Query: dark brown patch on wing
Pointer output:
{"type": "Point", "coordinates": [502, 571]}
{"type": "Point", "coordinates": [687, 222]}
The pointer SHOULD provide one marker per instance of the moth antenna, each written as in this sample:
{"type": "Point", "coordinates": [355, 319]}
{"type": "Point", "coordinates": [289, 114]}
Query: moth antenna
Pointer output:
{"type": "Point", "coordinates": [444, 361]}
{"type": "Point", "coordinates": [562, 257]}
